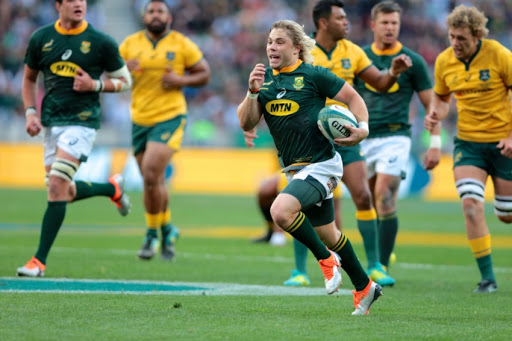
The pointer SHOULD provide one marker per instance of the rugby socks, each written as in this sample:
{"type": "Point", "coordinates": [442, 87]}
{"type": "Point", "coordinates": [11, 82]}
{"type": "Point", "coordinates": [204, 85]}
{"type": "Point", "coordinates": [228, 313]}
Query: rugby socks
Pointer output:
{"type": "Point", "coordinates": [52, 221]}
{"type": "Point", "coordinates": [153, 223]}
{"type": "Point", "coordinates": [300, 252]}
{"type": "Point", "coordinates": [481, 248]}
{"type": "Point", "coordinates": [367, 225]}
{"type": "Point", "coordinates": [165, 225]}
{"type": "Point", "coordinates": [85, 189]}
{"type": "Point", "coordinates": [388, 228]}
{"type": "Point", "coordinates": [350, 263]}
{"type": "Point", "coordinates": [265, 210]}
{"type": "Point", "coordinates": [302, 230]}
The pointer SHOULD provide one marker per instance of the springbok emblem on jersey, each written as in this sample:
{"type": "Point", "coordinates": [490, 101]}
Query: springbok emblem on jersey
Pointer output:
{"type": "Point", "coordinates": [299, 83]}
{"type": "Point", "coordinates": [86, 47]}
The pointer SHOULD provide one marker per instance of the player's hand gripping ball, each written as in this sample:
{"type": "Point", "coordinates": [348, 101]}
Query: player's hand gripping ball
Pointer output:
{"type": "Point", "coordinates": [332, 120]}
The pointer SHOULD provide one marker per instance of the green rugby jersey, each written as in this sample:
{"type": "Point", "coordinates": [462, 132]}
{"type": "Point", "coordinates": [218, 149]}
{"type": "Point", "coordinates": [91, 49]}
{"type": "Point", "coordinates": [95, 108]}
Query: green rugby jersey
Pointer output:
{"type": "Point", "coordinates": [389, 112]}
{"type": "Point", "coordinates": [291, 100]}
{"type": "Point", "coordinates": [58, 53]}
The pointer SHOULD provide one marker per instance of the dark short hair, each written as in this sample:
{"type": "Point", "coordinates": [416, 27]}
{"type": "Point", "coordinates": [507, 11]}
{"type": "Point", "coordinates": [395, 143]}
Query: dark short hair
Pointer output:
{"type": "Point", "coordinates": [323, 9]}
{"type": "Point", "coordinates": [386, 7]}
{"type": "Point", "coordinates": [162, 1]}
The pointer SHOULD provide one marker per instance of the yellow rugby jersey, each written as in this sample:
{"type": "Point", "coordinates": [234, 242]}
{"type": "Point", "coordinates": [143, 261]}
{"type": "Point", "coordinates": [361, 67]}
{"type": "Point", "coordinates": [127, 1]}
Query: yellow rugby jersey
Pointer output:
{"type": "Point", "coordinates": [151, 103]}
{"type": "Point", "coordinates": [481, 88]}
{"type": "Point", "coordinates": [346, 60]}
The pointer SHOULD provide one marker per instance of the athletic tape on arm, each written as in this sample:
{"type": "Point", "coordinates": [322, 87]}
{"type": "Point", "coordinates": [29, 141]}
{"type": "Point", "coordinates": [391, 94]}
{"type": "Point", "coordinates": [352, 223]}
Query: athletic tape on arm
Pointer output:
{"type": "Point", "coordinates": [119, 84]}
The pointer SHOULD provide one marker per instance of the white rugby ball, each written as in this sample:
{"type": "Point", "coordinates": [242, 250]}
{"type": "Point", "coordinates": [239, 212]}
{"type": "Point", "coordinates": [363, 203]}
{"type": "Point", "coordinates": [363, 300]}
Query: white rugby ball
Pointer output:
{"type": "Point", "coordinates": [332, 120]}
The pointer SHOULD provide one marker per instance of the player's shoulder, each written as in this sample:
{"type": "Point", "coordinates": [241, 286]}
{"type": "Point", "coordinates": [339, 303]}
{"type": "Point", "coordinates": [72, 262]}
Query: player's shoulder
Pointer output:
{"type": "Point", "coordinates": [43, 31]}
{"type": "Point", "coordinates": [137, 36]}
{"type": "Point", "coordinates": [312, 69]}
{"type": "Point", "coordinates": [445, 55]}
{"type": "Point", "coordinates": [99, 35]}
{"type": "Point", "coordinates": [367, 48]}
{"type": "Point", "coordinates": [177, 36]}
{"type": "Point", "coordinates": [491, 45]}
{"type": "Point", "coordinates": [412, 54]}
{"type": "Point", "coordinates": [349, 44]}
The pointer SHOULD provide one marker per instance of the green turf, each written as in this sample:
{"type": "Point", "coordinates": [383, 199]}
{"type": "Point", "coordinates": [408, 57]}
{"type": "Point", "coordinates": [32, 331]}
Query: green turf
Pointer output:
{"type": "Point", "coordinates": [432, 299]}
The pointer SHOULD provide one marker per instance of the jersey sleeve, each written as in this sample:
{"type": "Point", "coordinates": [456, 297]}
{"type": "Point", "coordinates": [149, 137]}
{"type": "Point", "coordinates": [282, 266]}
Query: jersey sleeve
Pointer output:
{"type": "Point", "coordinates": [32, 54]}
{"type": "Point", "coordinates": [505, 57]}
{"type": "Point", "coordinates": [123, 49]}
{"type": "Point", "coordinates": [192, 53]}
{"type": "Point", "coordinates": [112, 59]}
{"type": "Point", "coordinates": [328, 83]}
{"type": "Point", "coordinates": [421, 76]}
{"type": "Point", "coordinates": [440, 86]}
{"type": "Point", "coordinates": [363, 62]}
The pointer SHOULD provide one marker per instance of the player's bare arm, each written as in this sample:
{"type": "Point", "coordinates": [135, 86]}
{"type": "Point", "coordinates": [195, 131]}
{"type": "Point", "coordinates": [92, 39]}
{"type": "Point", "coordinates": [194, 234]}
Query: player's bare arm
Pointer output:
{"type": "Point", "coordinates": [249, 137]}
{"type": "Point", "coordinates": [28, 92]}
{"type": "Point", "coordinates": [438, 111]}
{"type": "Point", "coordinates": [383, 81]}
{"type": "Point", "coordinates": [356, 105]}
{"type": "Point", "coordinates": [506, 146]}
{"type": "Point", "coordinates": [132, 65]}
{"type": "Point", "coordinates": [249, 111]}
{"type": "Point", "coordinates": [433, 154]}
{"type": "Point", "coordinates": [198, 75]}
{"type": "Point", "coordinates": [116, 81]}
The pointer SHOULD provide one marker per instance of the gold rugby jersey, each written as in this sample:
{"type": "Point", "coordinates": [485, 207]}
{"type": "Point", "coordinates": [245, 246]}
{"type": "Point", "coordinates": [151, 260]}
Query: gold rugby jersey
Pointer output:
{"type": "Point", "coordinates": [481, 87]}
{"type": "Point", "coordinates": [151, 103]}
{"type": "Point", "coordinates": [346, 60]}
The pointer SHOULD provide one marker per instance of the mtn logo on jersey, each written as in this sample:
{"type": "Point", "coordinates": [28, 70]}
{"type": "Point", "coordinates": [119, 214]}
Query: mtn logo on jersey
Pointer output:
{"type": "Point", "coordinates": [64, 69]}
{"type": "Point", "coordinates": [282, 107]}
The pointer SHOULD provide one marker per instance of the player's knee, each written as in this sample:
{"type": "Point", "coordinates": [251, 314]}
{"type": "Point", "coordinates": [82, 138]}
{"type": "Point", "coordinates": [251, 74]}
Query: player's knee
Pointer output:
{"type": "Point", "coordinates": [281, 215]}
{"type": "Point", "coordinates": [471, 210]}
{"type": "Point", "coordinates": [385, 203]}
{"type": "Point", "coordinates": [363, 200]}
{"type": "Point", "coordinates": [151, 175]}
{"type": "Point", "coordinates": [506, 219]}
{"type": "Point", "coordinates": [503, 208]}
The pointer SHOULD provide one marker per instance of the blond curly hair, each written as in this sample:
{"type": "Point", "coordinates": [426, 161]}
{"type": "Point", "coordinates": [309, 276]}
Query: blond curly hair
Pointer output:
{"type": "Point", "coordinates": [470, 17]}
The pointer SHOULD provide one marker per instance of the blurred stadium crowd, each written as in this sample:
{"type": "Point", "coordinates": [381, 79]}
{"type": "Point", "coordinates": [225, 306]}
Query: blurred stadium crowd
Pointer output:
{"type": "Point", "coordinates": [232, 34]}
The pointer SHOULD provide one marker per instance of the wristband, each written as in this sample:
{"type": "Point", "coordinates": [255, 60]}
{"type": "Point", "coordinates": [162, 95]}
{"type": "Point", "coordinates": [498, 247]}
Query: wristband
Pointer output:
{"type": "Point", "coordinates": [98, 87]}
{"type": "Point", "coordinates": [252, 95]}
{"type": "Point", "coordinates": [392, 74]}
{"type": "Point", "coordinates": [435, 141]}
{"type": "Point", "coordinates": [363, 125]}
{"type": "Point", "coordinates": [30, 111]}
{"type": "Point", "coordinates": [251, 91]}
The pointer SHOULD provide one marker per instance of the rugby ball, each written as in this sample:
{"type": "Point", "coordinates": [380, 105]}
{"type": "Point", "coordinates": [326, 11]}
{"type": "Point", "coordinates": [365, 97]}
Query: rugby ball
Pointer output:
{"type": "Point", "coordinates": [332, 120]}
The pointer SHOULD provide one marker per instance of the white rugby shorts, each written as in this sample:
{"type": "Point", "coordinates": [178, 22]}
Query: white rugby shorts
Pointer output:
{"type": "Point", "coordinates": [386, 155]}
{"type": "Point", "coordinates": [77, 141]}
{"type": "Point", "coordinates": [328, 173]}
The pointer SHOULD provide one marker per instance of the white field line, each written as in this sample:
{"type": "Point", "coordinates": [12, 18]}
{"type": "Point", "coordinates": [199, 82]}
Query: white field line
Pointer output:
{"type": "Point", "coordinates": [196, 289]}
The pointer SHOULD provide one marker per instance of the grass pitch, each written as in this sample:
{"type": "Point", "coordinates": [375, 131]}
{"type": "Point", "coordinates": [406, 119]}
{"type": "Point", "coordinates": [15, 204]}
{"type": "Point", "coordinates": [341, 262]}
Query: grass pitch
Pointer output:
{"type": "Point", "coordinates": [432, 299]}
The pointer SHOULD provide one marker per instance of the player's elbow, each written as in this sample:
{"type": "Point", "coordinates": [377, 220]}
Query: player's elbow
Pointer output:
{"type": "Point", "coordinates": [246, 125]}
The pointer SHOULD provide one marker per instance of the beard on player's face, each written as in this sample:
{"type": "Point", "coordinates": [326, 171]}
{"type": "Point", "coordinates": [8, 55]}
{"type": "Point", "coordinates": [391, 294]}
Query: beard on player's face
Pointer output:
{"type": "Point", "coordinates": [156, 27]}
